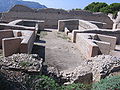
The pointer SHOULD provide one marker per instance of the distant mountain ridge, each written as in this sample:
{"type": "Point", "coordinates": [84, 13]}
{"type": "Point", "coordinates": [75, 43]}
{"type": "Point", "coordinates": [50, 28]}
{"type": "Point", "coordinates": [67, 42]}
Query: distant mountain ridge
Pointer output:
{"type": "Point", "coordinates": [6, 5]}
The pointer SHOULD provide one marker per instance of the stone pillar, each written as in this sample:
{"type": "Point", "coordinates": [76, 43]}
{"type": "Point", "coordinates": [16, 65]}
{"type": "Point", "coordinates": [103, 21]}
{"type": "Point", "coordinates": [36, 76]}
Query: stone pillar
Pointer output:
{"type": "Point", "coordinates": [61, 26]}
{"type": "Point", "coordinates": [41, 26]}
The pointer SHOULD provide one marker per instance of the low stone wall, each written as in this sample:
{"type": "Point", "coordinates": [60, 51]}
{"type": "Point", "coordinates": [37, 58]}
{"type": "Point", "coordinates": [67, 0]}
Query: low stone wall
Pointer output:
{"type": "Point", "coordinates": [17, 27]}
{"type": "Point", "coordinates": [17, 41]}
{"type": "Point", "coordinates": [27, 42]}
{"type": "Point", "coordinates": [70, 24]}
{"type": "Point", "coordinates": [104, 47]}
{"type": "Point", "coordinates": [86, 46]}
{"type": "Point", "coordinates": [92, 45]}
{"type": "Point", "coordinates": [76, 24]}
{"type": "Point", "coordinates": [33, 25]}
{"type": "Point", "coordinates": [5, 34]}
{"type": "Point", "coordinates": [38, 24]}
{"type": "Point", "coordinates": [11, 46]}
{"type": "Point", "coordinates": [110, 39]}
{"type": "Point", "coordinates": [114, 33]}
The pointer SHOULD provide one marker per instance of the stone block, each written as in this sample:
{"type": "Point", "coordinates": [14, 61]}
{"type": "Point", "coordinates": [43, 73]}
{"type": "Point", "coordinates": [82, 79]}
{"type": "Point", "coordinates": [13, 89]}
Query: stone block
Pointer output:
{"type": "Point", "coordinates": [5, 34]}
{"type": "Point", "coordinates": [86, 46]}
{"type": "Point", "coordinates": [70, 35]}
{"type": "Point", "coordinates": [66, 31]}
{"type": "Point", "coordinates": [61, 26]}
{"type": "Point", "coordinates": [110, 39]}
{"type": "Point", "coordinates": [104, 47]}
{"type": "Point", "coordinates": [70, 24]}
{"type": "Point", "coordinates": [10, 46]}
{"type": "Point", "coordinates": [41, 26]}
{"type": "Point", "coordinates": [74, 33]}
{"type": "Point", "coordinates": [84, 25]}
{"type": "Point", "coordinates": [27, 42]}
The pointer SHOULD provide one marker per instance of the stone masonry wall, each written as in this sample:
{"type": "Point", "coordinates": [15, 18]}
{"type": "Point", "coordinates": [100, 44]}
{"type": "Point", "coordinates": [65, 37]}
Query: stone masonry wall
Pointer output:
{"type": "Point", "coordinates": [51, 16]}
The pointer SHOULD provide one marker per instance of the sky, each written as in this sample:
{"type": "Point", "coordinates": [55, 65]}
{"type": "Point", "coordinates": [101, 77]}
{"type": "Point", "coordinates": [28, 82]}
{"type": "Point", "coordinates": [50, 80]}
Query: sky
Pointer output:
{"type": "Point", "coordinates": [70, 4]}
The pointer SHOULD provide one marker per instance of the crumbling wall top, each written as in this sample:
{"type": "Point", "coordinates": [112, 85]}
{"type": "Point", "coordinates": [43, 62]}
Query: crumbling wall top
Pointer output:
{"type": "Point", "coordinates": [21, 8]}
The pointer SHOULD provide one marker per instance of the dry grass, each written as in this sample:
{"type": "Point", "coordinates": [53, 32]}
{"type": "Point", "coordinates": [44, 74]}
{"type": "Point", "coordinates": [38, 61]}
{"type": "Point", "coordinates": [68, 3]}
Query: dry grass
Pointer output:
{"type": "Point", "coordinates": [43, 34]}
{"type": "Point", "coordinates": [63, 36]}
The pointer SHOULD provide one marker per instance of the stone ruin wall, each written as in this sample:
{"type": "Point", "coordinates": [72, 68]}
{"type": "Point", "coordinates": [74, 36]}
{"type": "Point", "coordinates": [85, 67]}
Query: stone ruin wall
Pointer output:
{"type": "Point", "coordinates": [51, 16]}
{"type": "Point", "coordinates": [0, 15]}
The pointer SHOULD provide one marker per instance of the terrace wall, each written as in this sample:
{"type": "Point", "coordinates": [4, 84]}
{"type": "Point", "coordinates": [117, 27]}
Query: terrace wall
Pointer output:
{"type": "Point", "coordinates": [51, 16]}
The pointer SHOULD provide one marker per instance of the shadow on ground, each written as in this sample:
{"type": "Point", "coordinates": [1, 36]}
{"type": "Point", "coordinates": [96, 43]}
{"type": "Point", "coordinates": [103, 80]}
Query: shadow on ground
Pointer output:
{"type": "Point", "coordinates": [40, 50]}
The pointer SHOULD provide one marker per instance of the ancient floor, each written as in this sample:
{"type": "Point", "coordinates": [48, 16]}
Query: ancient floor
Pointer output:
{"type": "Point", "coordinates": [57, 50]}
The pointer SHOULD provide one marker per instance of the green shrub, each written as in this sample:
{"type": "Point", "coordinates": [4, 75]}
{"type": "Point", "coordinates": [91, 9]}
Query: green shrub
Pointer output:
{"type": "Point", "coordinates": [77, 86]}
{"type": "Point", "coordinates": [41, 82]}
{"type": "Point", "coordinates": [45, 83]}
{"type": "Point", "coordinates": [110, 83]}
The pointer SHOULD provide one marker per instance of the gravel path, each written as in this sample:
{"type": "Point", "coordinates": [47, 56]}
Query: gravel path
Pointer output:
{"type": "Point", "coordinates": [59, 51]}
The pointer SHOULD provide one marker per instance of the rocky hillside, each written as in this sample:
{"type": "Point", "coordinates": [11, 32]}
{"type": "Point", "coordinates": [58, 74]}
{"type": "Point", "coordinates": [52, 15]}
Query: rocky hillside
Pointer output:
{"type": "Point", "coordinates": [5, 5]}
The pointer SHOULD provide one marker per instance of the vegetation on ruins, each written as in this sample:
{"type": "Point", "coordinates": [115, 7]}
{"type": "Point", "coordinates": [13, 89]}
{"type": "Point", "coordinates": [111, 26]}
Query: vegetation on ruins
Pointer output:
{"type": "Point", "coordinates": [47, 83]}
{"type": "Point", "coordinates": [43, 34]}
{"type": "Point", "coordinates": [63, 36]}
{"type": "Point", "coordinates": [110, 83]}
{"type": "Point", "coordinates": [24, 64]}
{"type": "Point", "coordinates": [103, 7]}
{"type": "Point", "coordinates": [95, 6]}
{"type": "Point", "coordinates": [42, 82]}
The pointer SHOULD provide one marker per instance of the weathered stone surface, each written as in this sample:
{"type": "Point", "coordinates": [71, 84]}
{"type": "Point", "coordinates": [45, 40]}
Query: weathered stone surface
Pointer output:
{"type": "Point", "coordinates": [81, 74]}
{"type": "Point", "coordinates": [51, 16]}
{"type": "Point", "coordinates": [105, 65]}
{"type": "Point", "coordinates": [16, 71]}
{"type": "Point", "coordinates": [22, 62]}
{"type": "Point", "coordinates": [116, 21]}
{"type": "Point", "coordinates": [13, 43]}
{"type": "Point", "coordinates": [12, 80]}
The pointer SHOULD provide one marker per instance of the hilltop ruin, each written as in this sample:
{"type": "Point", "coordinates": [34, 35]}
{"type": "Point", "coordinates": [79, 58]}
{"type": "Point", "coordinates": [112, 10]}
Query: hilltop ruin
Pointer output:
{"type": "Point", "coordinates": [74, 39]}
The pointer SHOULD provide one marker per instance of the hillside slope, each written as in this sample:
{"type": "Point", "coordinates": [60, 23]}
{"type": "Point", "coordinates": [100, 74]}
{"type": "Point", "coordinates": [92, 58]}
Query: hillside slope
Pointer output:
{"type": "Point", "coordinates": [6, 5]}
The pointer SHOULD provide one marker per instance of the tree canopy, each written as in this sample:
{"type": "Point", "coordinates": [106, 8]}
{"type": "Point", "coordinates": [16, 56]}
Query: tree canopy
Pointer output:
{"type": "Point", "coordinates": [103, 7]}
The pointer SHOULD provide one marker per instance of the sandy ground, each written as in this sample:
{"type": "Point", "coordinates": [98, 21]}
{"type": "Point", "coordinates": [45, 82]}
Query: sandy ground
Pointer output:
{"type": "Point", "coordinates": [58, 51]}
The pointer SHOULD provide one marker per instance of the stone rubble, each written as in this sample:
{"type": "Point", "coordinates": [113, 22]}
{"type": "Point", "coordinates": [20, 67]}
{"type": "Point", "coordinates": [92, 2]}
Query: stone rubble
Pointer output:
{"type": "Point", "coordinates": [105, 65]}
{"type": "Point", "coordinates": [81, 74]}
{"type": "Point", "coordinates": [93, 70]}
{"type": "Point", "coordinates": [22, 62]}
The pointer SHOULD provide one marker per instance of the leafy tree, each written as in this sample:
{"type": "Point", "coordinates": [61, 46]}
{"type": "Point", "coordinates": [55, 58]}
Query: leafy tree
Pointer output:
{"type": "Point", "coordinates": [95, 6]}
{"type": "Point", "coordinates": [103, 7]}
{"type": "Point", "coordinates": [112, 8]}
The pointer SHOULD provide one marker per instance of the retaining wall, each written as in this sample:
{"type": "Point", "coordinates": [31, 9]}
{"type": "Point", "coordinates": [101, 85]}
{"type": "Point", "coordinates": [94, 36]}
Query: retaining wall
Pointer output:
{"type": "Point", "coordinates": [51, 16]}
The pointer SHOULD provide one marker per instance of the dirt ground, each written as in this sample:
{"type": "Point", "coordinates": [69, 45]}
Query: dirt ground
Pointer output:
{"type": "Point", "coordinates": [57, 50]}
